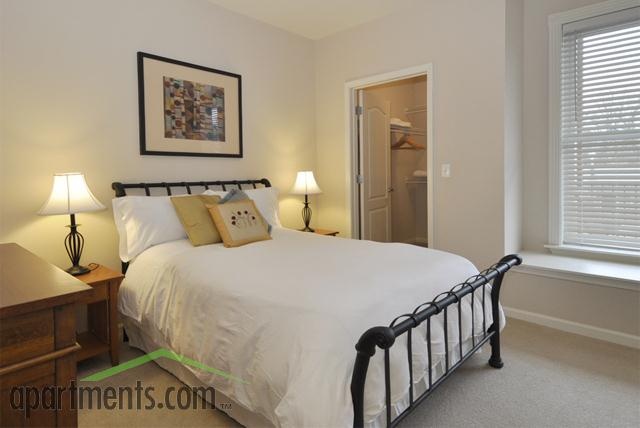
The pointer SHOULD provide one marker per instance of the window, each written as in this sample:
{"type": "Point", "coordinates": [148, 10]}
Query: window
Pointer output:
{"type": "Point", "coordinates": [595, 134]}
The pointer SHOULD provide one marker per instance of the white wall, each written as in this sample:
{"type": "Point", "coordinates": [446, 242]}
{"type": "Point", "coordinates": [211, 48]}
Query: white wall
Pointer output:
{"type": "Point", "coordinates": [513, 126]}
{"type": "Point", "coordinates": [588, 304]}
{"type": "Point", "coordinates": [535, 125]}
{"type": "Point", "coordinates": [465, 41]}
{"type": "Point", "coordinates": [69, 103]}
{"type": "Point", "coordinates": [592, 306]}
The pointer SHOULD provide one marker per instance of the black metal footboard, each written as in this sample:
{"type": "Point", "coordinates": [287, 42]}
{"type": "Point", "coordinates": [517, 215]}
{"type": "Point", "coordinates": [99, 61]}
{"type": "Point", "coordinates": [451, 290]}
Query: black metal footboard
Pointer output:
{"type": "Point", "coordinates": [384, 338]}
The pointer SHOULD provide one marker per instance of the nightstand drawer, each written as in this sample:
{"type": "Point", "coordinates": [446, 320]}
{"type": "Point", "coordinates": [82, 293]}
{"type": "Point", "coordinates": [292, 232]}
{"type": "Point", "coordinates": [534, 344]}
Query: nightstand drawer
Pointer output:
{"type": "Point", "coordinates": [26, 336]}
{"type": "Point", "coordinates": [30, 376]}
{"type": "Point", "coordinates": [98, 293]}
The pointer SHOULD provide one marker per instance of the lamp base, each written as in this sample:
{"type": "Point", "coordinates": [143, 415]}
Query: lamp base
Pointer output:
{"type": "Point", "coordinates": [74, 243]}
{"type": "Point", "coordinates": [306, 215]}
{"type": "Point", "coordinates": [78, 270]}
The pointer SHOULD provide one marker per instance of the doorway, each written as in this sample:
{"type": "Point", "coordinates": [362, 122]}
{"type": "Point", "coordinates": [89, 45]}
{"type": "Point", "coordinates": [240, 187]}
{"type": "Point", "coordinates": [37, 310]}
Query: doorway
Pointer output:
{"type": "Point", "coordinates": [391, 159]}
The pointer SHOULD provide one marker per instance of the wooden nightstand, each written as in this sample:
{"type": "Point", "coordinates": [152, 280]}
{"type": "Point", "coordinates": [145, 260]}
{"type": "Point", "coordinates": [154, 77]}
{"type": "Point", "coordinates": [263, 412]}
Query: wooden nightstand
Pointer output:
{"type": "Point", "coordinates": [37, 339]}
{"type": "Point", "coordinates": [102, 314]}
{"type": "Point", "coordinates": [326, 232]}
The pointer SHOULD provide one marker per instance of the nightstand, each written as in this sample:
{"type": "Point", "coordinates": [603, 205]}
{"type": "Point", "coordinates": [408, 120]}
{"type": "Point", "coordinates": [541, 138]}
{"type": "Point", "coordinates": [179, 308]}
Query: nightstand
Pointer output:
{"type": "Point", "coordinates": [326, 232]}
{"type": "Point", "coordinates": [38, 347]}
{"type": "Point", "coordinates": [102, 314]}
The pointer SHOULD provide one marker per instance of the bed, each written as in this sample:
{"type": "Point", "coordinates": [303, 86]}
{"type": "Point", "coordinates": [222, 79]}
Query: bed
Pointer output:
{"type": "Point", "coordinates": [285, 329]}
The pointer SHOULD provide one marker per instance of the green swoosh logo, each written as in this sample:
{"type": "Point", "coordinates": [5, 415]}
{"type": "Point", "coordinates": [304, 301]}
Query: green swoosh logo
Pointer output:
{"type": "Point", "coordinates": [159, 353]}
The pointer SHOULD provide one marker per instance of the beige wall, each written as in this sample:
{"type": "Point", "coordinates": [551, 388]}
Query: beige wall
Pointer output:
{"type": "Point", "coordinates": [490, 113]}
{"type": "Point", "coordinates": [69, 100]}
{"type": "Point", "coordinates": [465, 42]}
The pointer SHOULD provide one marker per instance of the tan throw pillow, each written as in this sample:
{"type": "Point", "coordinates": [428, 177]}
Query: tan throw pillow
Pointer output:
{"type": "Point", "coordinates": [195, 218]}
{"type": "Point", "coordinates": [239, 222]}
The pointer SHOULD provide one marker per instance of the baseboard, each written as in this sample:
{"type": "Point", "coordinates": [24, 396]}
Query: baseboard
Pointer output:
{"type": "Point", "coordinates": [575, 327]}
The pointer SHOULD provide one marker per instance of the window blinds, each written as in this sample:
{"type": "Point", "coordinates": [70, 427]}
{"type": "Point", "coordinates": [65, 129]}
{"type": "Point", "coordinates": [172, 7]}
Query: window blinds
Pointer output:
{"type": "Point", "coordinates": [600, 131]}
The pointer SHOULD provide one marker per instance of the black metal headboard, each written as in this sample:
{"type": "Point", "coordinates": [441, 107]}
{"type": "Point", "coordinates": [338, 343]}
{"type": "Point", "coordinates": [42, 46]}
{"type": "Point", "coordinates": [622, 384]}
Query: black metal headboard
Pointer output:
{"type": "Point", "coordinates": [121, 189]}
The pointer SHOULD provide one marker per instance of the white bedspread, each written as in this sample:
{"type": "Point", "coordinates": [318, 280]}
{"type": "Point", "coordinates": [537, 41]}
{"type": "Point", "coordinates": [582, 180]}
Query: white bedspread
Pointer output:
{"type": "Point", "coordinates": [284, 316]}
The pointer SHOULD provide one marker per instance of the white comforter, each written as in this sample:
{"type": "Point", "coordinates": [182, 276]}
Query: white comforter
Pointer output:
{"type": "Point", "coordinates": [284, 316]}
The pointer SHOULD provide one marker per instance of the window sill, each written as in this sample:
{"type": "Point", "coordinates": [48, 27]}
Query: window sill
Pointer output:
{"type": "Point", "coordinates": [596, 272]}
{"type": "Point", "coordinates": [595, 253]}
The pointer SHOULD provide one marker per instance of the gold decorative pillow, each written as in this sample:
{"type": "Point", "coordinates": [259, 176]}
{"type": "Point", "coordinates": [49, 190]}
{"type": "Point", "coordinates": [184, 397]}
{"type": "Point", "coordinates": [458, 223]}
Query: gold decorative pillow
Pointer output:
{"type": "Point", "coordinates": [195, 218]}
{"type": "Point", "coordinates": [239, 222]}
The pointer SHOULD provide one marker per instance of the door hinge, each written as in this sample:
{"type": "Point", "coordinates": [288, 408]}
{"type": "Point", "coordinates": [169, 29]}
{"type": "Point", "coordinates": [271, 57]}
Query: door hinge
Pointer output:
{"type": "Point", "coordinates": [359, 178]}
{"type": "Point", "coordinates": [358, 110]}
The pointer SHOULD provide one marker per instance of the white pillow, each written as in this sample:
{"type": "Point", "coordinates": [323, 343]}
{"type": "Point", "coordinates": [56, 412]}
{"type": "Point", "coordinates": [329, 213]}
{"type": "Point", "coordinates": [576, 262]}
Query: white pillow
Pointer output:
{"type": "Point", "coordinates": [145, 221]}
{"type": "Point", "coordinates": [266, 200]}
{"type": "Point", "coordinates": [221, 193]}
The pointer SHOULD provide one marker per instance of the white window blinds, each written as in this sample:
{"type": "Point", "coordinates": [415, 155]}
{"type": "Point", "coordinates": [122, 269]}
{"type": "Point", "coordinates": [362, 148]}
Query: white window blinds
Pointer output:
{"type": "Point", "coordinates": [600, 131]}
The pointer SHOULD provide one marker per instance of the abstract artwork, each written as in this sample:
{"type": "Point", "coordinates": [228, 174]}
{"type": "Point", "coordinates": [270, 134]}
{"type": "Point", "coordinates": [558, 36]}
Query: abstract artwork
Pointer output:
{"type": "Point", "coordinates": [192, 110]}
{"type": "Point", "coordinates": [188, 109]}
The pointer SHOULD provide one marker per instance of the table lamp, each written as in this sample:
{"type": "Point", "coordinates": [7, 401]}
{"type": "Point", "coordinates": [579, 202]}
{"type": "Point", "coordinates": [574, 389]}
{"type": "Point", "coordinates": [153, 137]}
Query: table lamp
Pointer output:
{"type": "Point", "coordinates": [71, 195]}
{"type": "Point", "coordinates": [306, 185]}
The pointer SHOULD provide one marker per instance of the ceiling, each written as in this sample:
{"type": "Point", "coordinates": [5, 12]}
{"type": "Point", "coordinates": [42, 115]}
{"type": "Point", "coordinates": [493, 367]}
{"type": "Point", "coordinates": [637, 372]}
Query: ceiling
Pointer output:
{"type": "Point", "coordinates": [313, 19]}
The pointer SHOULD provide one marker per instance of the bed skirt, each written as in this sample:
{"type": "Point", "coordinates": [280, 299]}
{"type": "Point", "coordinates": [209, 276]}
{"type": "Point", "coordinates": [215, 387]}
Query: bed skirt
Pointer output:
{"type": "Point", "coordinates": [139, 339]}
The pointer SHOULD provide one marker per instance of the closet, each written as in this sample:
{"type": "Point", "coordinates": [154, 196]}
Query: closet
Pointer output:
{"type": "Point", "coordinates": [392, 123]}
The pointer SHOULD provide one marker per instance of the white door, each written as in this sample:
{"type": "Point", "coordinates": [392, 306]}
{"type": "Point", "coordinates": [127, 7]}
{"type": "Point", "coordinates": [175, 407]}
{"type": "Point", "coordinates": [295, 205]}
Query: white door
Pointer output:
{"type": "Point", "coordinates": [375, 149]}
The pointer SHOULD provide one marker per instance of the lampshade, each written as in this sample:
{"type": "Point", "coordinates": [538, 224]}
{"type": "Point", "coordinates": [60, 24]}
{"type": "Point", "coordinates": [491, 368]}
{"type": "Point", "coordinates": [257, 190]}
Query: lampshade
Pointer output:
{"type": "Point", "coordinates": [305, 184]}
{"type": "Point", "coordinates": [69, 195]}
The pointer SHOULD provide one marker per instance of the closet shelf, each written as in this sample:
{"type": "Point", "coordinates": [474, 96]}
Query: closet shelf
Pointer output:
{"type": "Point", "coordinates": [407, 148]}
{"type": "Point", "coordinates": [416, 109]}
{"type": "Point", "coordinates": [407, 131]}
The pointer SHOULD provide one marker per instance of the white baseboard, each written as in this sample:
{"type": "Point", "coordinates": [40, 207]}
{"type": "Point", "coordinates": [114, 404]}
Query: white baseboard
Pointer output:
{"type": "Point", "coordinates": [575, 327]}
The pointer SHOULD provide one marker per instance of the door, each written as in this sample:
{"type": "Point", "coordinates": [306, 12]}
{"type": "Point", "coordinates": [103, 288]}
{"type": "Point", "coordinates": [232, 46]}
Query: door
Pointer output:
{"type": "Point", "coordinates": [375, 158]}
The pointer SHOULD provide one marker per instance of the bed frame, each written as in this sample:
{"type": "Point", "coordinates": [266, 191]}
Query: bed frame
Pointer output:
{"type": "Point", "coordinates": [384, 337]}
{"type": "Point", "coordinates": [121, 189]}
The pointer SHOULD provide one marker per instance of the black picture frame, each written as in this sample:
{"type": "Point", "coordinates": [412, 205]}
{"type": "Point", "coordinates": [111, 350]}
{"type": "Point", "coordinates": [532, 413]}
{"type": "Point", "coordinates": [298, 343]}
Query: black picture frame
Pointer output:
{"type": "Point", "coordinates": [141, 56]}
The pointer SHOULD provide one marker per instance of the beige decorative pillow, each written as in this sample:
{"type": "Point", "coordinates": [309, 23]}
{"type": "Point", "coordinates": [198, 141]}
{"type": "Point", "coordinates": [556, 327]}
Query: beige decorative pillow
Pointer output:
{"type": "Point", "coordinates": [239, 222]}
{"type": "Point", "coordinates": [195, 218]}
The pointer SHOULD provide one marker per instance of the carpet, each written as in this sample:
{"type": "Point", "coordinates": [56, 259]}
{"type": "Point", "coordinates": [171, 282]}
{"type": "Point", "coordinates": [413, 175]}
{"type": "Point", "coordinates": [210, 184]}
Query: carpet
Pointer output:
{"type": "Point", "coordinates": [550, 379]}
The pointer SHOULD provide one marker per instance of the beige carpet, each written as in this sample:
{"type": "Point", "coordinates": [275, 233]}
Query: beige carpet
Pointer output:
{"type": "Point", "coordinates": [550, 379]}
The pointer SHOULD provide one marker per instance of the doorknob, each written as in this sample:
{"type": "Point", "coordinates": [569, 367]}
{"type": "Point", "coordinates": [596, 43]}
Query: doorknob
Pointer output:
{"type": "Point", "coordinates": [390, 189]}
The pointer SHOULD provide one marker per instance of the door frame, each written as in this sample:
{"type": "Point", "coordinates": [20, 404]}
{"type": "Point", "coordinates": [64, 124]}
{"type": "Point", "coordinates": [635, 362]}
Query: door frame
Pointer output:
{"type": "Point", "coordinates": [352, 150]}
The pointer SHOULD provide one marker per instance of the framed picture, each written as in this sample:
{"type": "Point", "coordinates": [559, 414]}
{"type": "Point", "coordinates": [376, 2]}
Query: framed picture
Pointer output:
{"type": "Point", "coordinates": [187, 109]}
